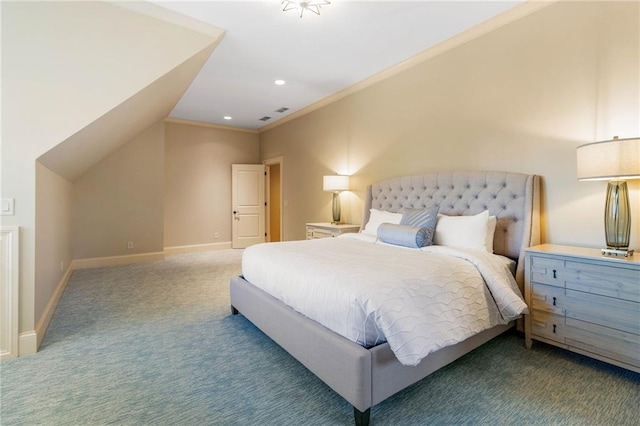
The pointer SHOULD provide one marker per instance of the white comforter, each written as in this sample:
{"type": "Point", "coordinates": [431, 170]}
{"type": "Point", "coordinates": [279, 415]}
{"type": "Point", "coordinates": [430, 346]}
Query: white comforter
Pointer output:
{"type": "Point", "coordinates": [419, 300]}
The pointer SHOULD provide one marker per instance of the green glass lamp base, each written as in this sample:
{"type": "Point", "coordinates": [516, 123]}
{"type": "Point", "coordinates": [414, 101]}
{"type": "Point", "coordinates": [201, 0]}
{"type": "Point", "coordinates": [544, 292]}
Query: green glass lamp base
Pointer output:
{"type": "Point", "coordinates": [336, 208]}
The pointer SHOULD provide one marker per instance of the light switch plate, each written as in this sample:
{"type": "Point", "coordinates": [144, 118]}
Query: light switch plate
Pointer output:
{"type": "Point", "coordinates": [7, 206]}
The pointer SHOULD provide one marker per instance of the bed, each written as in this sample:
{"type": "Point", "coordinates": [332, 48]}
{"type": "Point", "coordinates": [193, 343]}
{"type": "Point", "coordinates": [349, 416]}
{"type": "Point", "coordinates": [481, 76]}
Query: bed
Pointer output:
{"type": "Point", "coordinates": [367, 373]}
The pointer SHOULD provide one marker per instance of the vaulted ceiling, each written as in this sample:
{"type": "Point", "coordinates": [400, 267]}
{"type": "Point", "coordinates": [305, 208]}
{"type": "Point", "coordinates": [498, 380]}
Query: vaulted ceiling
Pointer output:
{"type": "Point", "coordinates": [316, 55]}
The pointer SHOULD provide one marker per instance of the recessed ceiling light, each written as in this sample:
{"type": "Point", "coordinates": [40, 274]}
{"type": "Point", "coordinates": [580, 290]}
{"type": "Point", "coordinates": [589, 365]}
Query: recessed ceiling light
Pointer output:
{"type": "Point", "coordinates": [227, 117]}
{"type": "Point", "coordinates": [279, 82]}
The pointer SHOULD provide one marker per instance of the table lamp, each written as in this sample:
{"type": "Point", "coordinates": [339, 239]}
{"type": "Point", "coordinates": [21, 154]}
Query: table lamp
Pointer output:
{"type": "Point", "coordinates": [335, 184]}
{"type": "Point", "coordinates": [617, 161]}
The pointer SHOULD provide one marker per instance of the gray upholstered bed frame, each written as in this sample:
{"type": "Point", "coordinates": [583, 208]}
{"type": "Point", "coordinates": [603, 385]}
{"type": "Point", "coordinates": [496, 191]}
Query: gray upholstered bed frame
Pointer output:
{"type": "Point", "coordinates": [365, 377]}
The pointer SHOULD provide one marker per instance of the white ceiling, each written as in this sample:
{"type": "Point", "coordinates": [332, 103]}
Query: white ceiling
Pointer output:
{"type": "Point", "coordinates": [317, 56]}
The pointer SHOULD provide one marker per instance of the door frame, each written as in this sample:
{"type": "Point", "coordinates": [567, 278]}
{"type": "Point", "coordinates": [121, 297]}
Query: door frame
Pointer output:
{"type": "Point", "coordinates": [269, 162]}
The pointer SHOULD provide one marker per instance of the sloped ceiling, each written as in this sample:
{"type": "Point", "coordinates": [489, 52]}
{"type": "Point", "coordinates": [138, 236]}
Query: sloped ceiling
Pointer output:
{"type": "Point", "coordinates": [77, 154]}
{"type": "Point", "coordinates": [114, 86]}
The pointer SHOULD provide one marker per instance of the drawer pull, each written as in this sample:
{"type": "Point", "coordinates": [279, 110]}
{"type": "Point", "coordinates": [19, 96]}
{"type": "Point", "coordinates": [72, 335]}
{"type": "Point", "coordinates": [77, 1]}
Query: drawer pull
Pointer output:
{"type": "Point", "coordinates": [554, 328]}
{"type": "Point", "coordinates": [554, 274]}
{"type": "Point", "coordinates": [554, 301]}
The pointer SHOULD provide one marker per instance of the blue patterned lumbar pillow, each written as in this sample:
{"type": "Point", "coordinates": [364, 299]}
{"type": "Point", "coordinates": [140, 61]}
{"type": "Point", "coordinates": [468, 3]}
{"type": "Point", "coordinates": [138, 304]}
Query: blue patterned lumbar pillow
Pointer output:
{"type": "Point", "coordinates": [402, 235]}
{"type": "Point", "coordinates": [424, 218]}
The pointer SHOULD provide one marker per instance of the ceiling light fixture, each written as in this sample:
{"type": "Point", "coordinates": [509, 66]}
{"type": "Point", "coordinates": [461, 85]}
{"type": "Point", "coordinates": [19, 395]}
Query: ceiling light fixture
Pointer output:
{"type": "Point", "coordinates": [227, 117]}
{"type": "Point", "coordinates": [279, 82]}
{"type": "Point", "coordinates": [302, 5]}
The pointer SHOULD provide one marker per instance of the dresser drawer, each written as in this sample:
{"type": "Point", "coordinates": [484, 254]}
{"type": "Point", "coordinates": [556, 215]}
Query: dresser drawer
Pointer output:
{"type": "Point", "coordinates": [548, 298]}
{"type": "Point", "coordinates": [547, 271]}
{"type": "Point", "coordinates": [609, 281]}
{"type": "Point", "coordinates": [603, 341]}
{"type": "Point", "coordinates": [606, 311]}
{"type": "Point", "coordinates": [321, 233]}
{"type": "Point", "coordinates": [547, 325]}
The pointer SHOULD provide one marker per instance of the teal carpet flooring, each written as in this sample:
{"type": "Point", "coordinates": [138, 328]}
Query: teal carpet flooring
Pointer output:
{"type": "Point", "coordinates": [155, 344]}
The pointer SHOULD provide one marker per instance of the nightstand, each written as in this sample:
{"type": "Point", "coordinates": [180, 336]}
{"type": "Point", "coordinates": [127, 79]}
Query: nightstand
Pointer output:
{"type": "Point", "coordinates": [584, 302]}
{"type": "Point", "coordinates": [328, 230]}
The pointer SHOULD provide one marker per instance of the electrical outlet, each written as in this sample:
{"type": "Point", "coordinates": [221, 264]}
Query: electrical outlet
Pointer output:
{"type": "Point", "coordinates": [129, 245]}
{"type": "Point", "coordinates": [216, 235]}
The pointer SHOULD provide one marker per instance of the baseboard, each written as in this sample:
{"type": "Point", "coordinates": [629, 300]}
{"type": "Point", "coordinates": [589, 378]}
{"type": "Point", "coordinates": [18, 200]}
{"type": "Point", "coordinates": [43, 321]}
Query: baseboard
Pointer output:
{"type": "Point", "coordinates": [27, 343]}
{"type": "Point", "coordinates": [45, 318]}
{"type": "Point", "coordinates": [97, 262]}
{"type": "Point", "coordinates": [195, 248]}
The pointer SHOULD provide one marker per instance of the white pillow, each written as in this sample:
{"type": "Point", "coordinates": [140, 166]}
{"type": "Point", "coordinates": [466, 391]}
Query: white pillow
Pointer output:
{"type": "Point", "coordinates": [491, 230]}
{"type": "Point", "coordinates": [377, 217]}
{"type": "Point", "coordinates": [462, 231]}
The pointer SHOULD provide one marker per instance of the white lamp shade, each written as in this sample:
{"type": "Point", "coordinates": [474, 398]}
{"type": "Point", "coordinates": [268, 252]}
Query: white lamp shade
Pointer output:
{"type": "Point", "coordinates": [617, 159]}
{"type": "Point", "coordinates": [335, 183]}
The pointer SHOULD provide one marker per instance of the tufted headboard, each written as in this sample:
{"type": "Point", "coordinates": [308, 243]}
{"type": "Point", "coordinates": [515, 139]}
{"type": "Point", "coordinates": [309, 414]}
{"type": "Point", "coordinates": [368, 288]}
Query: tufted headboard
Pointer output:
{"type": "Point", "coordinates": [514, 198]}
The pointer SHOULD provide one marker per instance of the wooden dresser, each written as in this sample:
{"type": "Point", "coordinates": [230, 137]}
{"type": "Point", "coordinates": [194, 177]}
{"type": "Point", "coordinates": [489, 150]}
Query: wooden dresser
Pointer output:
{"type": "Point", "coordinates": [329, 230]}
{"type": "Point", "coordinates": [584, 302]}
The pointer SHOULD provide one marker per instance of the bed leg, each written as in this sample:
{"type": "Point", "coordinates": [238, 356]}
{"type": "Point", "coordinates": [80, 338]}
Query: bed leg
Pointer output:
{"type": "Point", "coordinates": [234, 311]}
{"type": "Point", "coordinates": [362, 417]}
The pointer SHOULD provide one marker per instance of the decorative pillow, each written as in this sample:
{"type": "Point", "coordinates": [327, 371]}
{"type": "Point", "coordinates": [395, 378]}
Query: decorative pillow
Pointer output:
{"type": "Point", "coordinates": [377, 217]}
{"type": "Point", "coordinates": [462, 231]}
{"type": "Point", "coordinates": [402, 235]}
{"type": "Point", "coordinates": [491, 230]}
{"type": "Point", "coordinates": [425, 218]}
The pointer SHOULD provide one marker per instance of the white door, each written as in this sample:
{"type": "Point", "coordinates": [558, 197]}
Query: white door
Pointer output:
{"type": "Point", "coordinates": [247, 201]}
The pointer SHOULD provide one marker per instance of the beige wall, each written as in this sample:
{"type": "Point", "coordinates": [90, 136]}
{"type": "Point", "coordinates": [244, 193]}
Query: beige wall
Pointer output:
{"type": "Point", "coordinates": [121, 199]}
{"type": "Point", "coordinates": [66, 66]}
{"type": "Point", "coordinates": [198, 181]}
{"type": "Point", "coordinates": [170, 186]}
{"type": "Point", "coordinates": [520, 98]}
{"type": "Point", "coordinates": [53, 227]}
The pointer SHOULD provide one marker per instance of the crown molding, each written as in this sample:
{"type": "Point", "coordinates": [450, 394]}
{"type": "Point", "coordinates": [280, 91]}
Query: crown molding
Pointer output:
{"type": "Point", "coordinates": [210, 125]}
